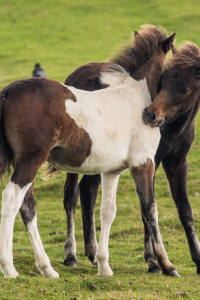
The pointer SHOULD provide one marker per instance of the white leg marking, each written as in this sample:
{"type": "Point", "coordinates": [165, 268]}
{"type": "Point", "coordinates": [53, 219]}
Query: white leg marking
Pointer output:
{"type": "Point", "coordinates": [12, 198]}
{"type": "Point", "coordinates": [42, 260]}
{"type": "Point", "coordinates": [108, 213]}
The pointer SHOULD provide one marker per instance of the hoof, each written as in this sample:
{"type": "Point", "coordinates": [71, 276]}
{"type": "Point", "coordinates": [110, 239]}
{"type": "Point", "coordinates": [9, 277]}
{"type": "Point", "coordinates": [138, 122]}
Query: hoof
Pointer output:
{"type": "Point", "coordinates": [47, 271]}
{"type": "Point", "coordinates": [198, 270]}
{"type": "Point", "coordinates": [155, 269]}
{"type": "Point", "coordinates": [174, 273]}
{"type": "Point", "coordinates": [70, 261]}
{"type": "Point", "coordinates": [105, 271]}
{"type": "Point", "coordinates": [9, 272]}
{"type": "Point", "coordinates": [50, 274]}
{"type": "Point", "coordinates": [93, 260]}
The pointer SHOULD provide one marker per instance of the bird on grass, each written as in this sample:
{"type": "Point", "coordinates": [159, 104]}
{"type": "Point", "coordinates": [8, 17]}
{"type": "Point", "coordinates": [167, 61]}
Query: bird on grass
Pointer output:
{"type": "Point", "coordinates": [38, 71]}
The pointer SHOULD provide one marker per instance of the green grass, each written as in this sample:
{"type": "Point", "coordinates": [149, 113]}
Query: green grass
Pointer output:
{"type": "Point", "coordinates": [63, 35]}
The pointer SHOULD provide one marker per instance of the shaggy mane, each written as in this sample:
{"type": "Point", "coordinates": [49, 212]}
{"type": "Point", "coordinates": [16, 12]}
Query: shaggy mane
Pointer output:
{"type": "Point", "coordinates": [145, 42]}
{"type": "Point", "coordinates": [187, 56]}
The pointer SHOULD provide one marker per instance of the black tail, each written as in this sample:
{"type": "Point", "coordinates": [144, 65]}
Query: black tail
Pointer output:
{"type": "Point", "coordinates": [6, 157]}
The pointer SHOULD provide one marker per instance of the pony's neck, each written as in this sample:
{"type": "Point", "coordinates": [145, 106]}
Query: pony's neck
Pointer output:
{"type": "Point", "coordinates": [136, 64]}
{"type": "Point", "coordinates": [140, 65]}
{"type": "Point", "coordinates": [178, 126]}
{"type": "Point", "coordinates": [170, 132]}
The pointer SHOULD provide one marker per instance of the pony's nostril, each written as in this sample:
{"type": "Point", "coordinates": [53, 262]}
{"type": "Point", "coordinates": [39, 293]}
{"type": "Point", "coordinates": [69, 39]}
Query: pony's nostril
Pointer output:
{"type": "Point", "coordinates": [152, 115]}
{"type": "Point", "coordinates": [149, 117]}
{"type": "Point", "coordinates": [149, 114]}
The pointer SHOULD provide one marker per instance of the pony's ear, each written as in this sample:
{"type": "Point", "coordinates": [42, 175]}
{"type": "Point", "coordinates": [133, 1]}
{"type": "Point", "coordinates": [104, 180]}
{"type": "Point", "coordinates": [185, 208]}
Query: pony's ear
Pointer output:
{"type": "Point", "coordinates": [174, 50]}
{"type": "Point", "coordinates": [166, 44]}
{"type": "Point", "coordinates": [136, 33]}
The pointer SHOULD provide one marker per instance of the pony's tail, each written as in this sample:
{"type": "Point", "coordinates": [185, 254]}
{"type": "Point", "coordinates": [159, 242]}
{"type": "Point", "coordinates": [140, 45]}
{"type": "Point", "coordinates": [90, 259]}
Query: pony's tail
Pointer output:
{"type": "Point", "coordinates": [5, 151]}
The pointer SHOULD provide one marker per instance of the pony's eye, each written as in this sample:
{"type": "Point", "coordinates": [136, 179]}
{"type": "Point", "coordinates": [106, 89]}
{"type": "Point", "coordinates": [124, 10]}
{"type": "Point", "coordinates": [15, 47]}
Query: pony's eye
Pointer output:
{"type": "Point", "coordinates": [184, 91]}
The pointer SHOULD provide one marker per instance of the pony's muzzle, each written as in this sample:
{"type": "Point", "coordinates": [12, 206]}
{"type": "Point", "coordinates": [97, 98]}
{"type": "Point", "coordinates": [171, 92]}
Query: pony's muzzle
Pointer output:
{"type": "Point", "coordinates": [150, 118]}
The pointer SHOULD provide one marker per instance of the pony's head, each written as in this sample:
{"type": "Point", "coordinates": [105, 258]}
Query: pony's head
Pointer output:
{"type": "Point", "coordinates": [145, 57]}
{"type": "Point", "coordinates": [179, 86]}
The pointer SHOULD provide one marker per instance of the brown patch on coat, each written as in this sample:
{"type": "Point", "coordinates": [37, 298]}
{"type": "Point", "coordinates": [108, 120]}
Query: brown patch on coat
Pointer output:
{"type": "Point", "coordinates": [143, 176]}
{"type": "Point", "coordinates": [88, 77]}
{"type": "Point", "coordinates": [35, 121]}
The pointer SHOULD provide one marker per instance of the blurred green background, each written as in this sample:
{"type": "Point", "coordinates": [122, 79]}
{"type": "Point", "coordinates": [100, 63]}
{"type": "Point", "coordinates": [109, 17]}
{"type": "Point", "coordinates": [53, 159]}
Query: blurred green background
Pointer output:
{"type": "Point", "coordinates": [62, 35]}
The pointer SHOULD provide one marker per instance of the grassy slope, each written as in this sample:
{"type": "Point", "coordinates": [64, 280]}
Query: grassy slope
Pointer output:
{"type": "Point", "coordinates": [63, 35]}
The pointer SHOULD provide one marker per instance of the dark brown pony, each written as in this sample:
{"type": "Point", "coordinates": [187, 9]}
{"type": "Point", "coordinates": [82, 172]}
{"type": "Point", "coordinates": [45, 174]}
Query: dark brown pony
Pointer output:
{"type": "Point", "coordinates": [180, 88]}
{"type": "Point", "coordinates": [78, 131]}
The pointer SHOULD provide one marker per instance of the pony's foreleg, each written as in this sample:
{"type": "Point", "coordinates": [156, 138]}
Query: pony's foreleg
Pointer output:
{"type": "Point", "coordinates": [143, 176]}
{"type": "Point", "coordinates": [71, 193]}
{"type": "Point", "coordinates": [107, 215]}
{"type": "Point", "coordinates": [177, 177]}
{"type": "Point", "coordinates": [29, 216]}
{"type": "Point", "coordinates": [12, 198]}
{"type": "Point", "coordinates": [89, 186]}
{"type": "Point", "coordinates": [149, 256]}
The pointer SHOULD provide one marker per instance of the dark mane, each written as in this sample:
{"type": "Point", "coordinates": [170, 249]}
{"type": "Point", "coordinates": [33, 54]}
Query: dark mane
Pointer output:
{"type": "Point", "coordinates": [133, 57]}
{"type": "Point", "coordinates": [187, 56]}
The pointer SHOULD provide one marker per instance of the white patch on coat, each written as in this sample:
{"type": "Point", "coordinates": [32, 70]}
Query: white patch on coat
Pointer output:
{"type": "Point", "coordinates": [115, 76]}
{"type": "Point", "coordinates": [41, 258]}
{"type": "Point", "coordinates": [12, 198]}
{"type": "Point", "coordinates": [113, 119]}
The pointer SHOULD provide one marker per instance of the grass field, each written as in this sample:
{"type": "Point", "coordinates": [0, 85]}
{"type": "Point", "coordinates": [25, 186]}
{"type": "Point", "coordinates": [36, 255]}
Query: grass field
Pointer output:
{"type": "Point", "coordinates": [62, 35]}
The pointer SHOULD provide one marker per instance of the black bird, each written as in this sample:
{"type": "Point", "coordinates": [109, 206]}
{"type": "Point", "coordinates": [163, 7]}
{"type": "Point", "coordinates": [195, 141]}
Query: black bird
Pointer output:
{"type": "Point", "coordinates": [38, 71]}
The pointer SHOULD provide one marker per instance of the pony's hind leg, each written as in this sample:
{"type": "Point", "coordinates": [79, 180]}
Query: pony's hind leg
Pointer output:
{"type": "Point", "coordinates": [143, 176]}
{"type": "Point", "coordinates": [108, 213]}
{"type": "Point", "coordinates": [29, 216]}
{"type": "Point", "coordinates": [89, 186]}
{"type": "Point", "coordinates": [42, 260]}
{"type": "Point", "coordinates": [28, 208]}
{"type": "Point", "coordinates": [71, 193]}
{"type": "Point", "coordinates": [12, 198]}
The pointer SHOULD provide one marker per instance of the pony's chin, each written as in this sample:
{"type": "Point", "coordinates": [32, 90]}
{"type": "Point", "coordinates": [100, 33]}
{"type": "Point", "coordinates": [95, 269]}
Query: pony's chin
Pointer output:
{"type": "Point", "coordinates": [157, 124]}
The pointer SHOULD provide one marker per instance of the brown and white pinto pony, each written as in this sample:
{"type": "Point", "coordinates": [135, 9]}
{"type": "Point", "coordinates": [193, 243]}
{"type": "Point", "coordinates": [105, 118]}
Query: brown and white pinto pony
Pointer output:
{"type": "Point", "coordinates": [82, 132]}
{"type": "Point", "coordinates": [179, 102]}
